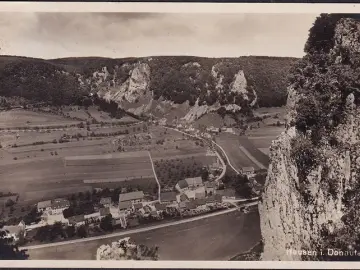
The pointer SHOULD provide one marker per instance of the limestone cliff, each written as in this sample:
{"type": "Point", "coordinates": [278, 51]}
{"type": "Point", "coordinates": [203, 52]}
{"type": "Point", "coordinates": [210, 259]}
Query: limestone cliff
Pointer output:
{"type": "Point", "coordinates": [311, 196]}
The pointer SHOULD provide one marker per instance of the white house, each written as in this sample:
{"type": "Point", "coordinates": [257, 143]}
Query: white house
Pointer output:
{"type": "Point", "coordinates": [53, 207]}
{"type": "Point", "coordinates": [15, 232]}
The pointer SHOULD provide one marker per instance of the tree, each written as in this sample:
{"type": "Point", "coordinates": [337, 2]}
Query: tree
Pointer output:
{"type": "Point", "coordinates": [9, 203]}
{"type": "Point", "coordinates": [82, 231]}
{"type": "Point", "coordinates": [242, 186]}
{"type": "Point", "coordinates": [70, 231]}
{"type": "Point", "coordinates": [106, 223]}
{"type": "Point", "coordinates": [10, 250]}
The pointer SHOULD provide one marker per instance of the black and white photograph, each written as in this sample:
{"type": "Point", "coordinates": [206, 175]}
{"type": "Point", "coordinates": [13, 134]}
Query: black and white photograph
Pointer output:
{"type": "Point", "coordinates": [179, 136]}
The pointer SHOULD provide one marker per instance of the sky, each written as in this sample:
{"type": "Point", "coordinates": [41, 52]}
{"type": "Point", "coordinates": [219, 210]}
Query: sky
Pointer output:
{"type": "Point", "coordinates": [116, 35]}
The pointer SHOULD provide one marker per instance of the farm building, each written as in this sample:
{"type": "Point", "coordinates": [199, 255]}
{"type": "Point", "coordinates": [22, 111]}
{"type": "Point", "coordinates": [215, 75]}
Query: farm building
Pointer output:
{"type": "Point", "coordinates": [168, 197]}
{"type": "Point", "coordinates": [249, 171]}
{"type": "Point", "coordinates": [194, 182]}
{"type": "Point", "coordinates": [133, 197]}
{"type": "Point", "coordinates": [106, 202]}
{"type": "Point", "coordinates": [181, 185]}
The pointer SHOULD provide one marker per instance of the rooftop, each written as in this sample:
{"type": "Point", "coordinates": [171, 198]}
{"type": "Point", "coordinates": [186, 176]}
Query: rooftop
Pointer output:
{"type": "Point", "coordinates": [125, 205]}
{"type": "Point", "coordinates": [183, 184]}
{"type": "Point", "coordinates": [60, 203]}
{"type": "Point", "coordinates": [44, 204]}
{"type": "Point", "coordinates": [160, 206]}
{"type": "Point", "coordinates": [136, 195]}
{"type": "Point", "coordinates": [168, 196]}
{"type": "Point", "coordinates": [138, 205]}
{"type": "Point", "coordinates": [13, 229]}
{"type": "Point", "coordinates": [194, 181]}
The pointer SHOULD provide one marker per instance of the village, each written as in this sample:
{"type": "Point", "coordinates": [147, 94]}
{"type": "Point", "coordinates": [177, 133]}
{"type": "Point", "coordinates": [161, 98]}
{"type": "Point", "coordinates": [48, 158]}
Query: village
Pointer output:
{"type": "Point", "coordinates": [191, 197]}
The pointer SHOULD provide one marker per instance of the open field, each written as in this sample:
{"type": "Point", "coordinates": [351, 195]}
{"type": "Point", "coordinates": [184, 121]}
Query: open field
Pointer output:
{"type": "Point", "coordinates": [52, 175]}
{"type": "Point", "coordinates": [262, 138]}
{"type": "Point", "coordinates": [230, 143]}
{"type": "Point", "coordinates": [216, 238]}
{"type": "Point", "coordinates": [253, 151]}
{"type": "Point", "coordinates": [271, 111]}
{"type": "Point", "coordinates": [26, 118]}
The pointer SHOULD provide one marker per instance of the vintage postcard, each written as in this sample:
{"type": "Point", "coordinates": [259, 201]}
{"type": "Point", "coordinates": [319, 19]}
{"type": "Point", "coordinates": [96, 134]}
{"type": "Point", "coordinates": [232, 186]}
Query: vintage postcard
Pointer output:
{"type": "Point", "coordinates": [179, 133]}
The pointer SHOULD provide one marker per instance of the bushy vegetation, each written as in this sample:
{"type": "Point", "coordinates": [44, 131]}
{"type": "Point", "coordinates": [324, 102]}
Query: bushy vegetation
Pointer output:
{"type": "Point", "coordinates": [57, 81]}
{"type": "Point", "coordinates": [324, 79]}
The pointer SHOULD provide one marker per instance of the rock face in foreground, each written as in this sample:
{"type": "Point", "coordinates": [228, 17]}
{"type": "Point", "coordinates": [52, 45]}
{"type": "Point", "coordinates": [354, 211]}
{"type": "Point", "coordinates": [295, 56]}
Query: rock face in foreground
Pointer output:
{"type": "Point", "coordinates": [312, 193]}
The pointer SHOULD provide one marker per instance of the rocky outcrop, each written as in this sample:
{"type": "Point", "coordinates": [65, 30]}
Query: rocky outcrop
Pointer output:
{"type": "Point", "coordinates": [126, 249]}
{"type": "Point", "coordinates": [310, 200]}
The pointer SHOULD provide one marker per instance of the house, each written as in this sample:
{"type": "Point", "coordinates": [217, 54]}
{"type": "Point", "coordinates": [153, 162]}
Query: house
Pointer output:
{"type": "Point", "coordinates": [226, 193]}
{"type": "Point", "coordinates": [58, 206]}
{"type": "Point", "coordinates": [249, 171]}
{"type": "Point", "coordinates": [181, 185]}
{"type": "Point", "coordinates": [44, 206]}
{"type": "Point", "coordinates": [194, 182]}
{"type": "Point", "coordinates": [106, 202]}
{"type": "Point", "coordinates": [168, 197]}
{"type": "Point", "coordinates": [127, 205]}
{"type": "Point", "coordinates": [54, 207]}
{"type": "Point", "coordinates": [200, 193]}
{"type": "Point", "coordinates": [133, 197]}
{"type": "Point", "coordinates": [210, 188]}
{"type": "Point", "coordinates": [15, 232]}
{"type": "Point", "coordinates": [77, 220]}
